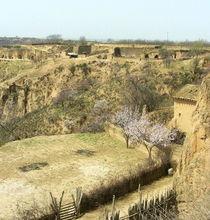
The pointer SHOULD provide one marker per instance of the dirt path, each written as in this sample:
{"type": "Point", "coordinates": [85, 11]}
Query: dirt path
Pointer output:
{"type": "Point", "coordinates": [123, 203]}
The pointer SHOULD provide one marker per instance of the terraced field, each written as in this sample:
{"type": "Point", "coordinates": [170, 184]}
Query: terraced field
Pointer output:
{"type": "Point", "coordinates": [32, 168]}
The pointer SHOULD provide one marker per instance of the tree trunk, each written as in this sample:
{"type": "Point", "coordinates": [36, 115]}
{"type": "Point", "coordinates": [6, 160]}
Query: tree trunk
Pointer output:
{"type": "Point", "coordinates": [127, 141]}
{"type": "Point", "coordinates": [149, 149]}
{"type": "Point", "coordinates": [150, 154]}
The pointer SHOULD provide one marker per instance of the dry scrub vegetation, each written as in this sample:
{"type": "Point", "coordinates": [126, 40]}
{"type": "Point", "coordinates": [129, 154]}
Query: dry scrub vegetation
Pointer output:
{"type": "Point", "coordinates": [79, 96]}
{"type": "Point", "coordinates": [9, 70]}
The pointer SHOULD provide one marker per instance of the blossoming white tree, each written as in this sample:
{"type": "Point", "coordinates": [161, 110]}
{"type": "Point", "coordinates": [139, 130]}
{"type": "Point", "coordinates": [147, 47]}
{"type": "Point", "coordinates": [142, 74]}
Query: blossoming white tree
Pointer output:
{"type": "Point", "coordinates": [142, 130]}
{"type": "Point", "coordinates": [151, 135]}
{"type": "Point", "coordinates": [124, 119]}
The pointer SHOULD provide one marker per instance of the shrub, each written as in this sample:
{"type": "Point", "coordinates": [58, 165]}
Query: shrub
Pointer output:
{"type": "Point", "coordinates": [72, 69]}
{"type": "Point", "coordinates": [100, 107]}
{"type": "Point", "coordinates": [67, 94]}
{"type": "Point", "coordinates": [140, 91]}
{"type": "Point", "coordinates": [70, 125]}
{"type": "Point", "coordinates": [85, 69]}
{"type": "Point", "coordinates": [94, 127]}
{"type": "Point", "coordinates": [180, 137]}
{"type": "Point", "coordinates": [59, 69]}
{"type": "Point", "coordinates": [33, 166]}
{"type": "Point", "coordinates": [85, 84]}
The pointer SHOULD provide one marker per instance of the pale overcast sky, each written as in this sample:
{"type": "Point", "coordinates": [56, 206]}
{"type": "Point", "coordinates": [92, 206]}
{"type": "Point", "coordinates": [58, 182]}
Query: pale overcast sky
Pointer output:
{"type": "Point", "coordinates": [97, 19]}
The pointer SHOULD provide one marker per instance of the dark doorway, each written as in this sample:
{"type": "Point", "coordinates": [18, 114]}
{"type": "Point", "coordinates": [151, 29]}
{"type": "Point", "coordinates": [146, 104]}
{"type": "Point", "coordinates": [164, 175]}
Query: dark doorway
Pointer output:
{"type": "Point", "coordinates": [146, 56]}
{"type": "Point", "coordinates": [156, 57]}
{"type": "Point", "coordinates": [117, 52]}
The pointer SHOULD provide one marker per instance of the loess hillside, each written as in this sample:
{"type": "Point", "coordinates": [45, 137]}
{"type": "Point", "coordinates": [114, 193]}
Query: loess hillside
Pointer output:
{"type": "Point", "coordinates": [62, 95]}
{"type": "Point", "coordinates": [193, 177]}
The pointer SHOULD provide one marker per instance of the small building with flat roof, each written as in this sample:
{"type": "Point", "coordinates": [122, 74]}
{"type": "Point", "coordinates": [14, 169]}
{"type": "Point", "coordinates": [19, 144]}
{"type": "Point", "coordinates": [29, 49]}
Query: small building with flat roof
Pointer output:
{"type": "Point", "coordinates": [184, 105]}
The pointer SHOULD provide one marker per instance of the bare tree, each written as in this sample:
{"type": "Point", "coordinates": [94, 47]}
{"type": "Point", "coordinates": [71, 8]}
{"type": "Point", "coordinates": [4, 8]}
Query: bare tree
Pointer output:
{"type": "Point", "coordinates": [82, 40]}
{"type": "Point", "coordinates": [166, 56]}
{"type": "Point", "coordinates": [54, 37]}
{"type": "Point", "coordinates": [140, 90]}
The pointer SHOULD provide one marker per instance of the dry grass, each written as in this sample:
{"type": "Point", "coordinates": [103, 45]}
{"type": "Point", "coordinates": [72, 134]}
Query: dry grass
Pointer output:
{"type": "Point", "coordinates": [67, 168]}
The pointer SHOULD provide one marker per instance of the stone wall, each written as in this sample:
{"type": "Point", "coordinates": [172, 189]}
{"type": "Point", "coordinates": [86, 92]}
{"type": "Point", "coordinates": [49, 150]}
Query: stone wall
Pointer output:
{"type": "Point", "coordinates": [192, 179]}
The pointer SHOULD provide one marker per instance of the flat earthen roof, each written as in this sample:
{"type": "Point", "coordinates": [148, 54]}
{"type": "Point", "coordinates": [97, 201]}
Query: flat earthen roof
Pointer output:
{"type": "Point", "coordinates": [188, 92]}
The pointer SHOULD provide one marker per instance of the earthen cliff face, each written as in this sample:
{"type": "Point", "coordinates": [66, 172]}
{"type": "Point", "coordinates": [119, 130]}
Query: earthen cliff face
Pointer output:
{"type": "Point", "coordinates": [25, 96]}
{"type": "Point", "coordinates": [192, 179]}
{"type": "Point", "coordinates": [29, 93]}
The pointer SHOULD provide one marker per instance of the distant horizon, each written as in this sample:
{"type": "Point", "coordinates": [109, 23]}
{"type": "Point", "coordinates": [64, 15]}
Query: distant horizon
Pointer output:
{"type": "Point", "coordinates": [107, 39]}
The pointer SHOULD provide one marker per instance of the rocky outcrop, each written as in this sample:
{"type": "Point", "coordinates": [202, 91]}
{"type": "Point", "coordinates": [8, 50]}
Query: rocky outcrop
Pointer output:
{"type": "Point", "coordinates": [192, 179]}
